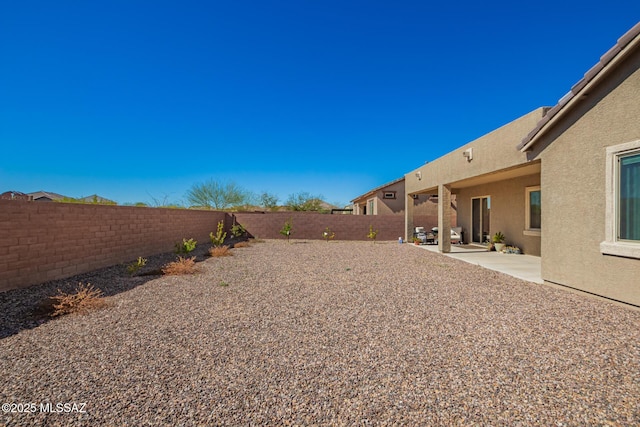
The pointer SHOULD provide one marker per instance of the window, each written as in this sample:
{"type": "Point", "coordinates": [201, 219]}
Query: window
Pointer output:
{"type": "Point", "coordinates": [629, 198]}
{"type": "Point", "coordinates": [533, 213]}
{"type": "Point", "coordinates": [370, 207]}
{"type": "Point", "coordinates": [622, 228]}
{"type": "Point", "coordinates": [389, 195]}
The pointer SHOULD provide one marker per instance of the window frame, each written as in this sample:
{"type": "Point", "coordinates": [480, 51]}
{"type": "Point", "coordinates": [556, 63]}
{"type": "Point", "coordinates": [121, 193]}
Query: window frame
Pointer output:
{"type": "Point", "coordinates": [612, 245]}
{"type": "Point", "coordinates": [528, 230]}
{"type": "Point", "coordinates": [372, 206]}
{"type": "Point", "coordinates": [389, 195]}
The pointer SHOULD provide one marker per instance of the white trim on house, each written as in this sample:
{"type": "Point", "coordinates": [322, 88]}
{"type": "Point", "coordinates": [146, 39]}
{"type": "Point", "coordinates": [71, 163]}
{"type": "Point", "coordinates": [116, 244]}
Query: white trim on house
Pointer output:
{"type": "Point", "coordinates": [612, 245]}
{"type": "Point", "coordinates": [372, 206]}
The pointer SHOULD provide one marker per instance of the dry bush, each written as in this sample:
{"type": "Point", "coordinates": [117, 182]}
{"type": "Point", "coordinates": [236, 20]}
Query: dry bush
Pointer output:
{"type": "Point", "coordinates": [180, 266]}
{"type": "Point", "coordinates": [242, 245]}
{"type": "Point", "coordinates": [218, 251]}
{"type": "Point", "coordinates": [84, 299]}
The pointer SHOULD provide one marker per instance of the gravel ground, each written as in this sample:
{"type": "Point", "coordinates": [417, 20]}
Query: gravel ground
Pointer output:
{"type": "Point", "coordinates": [317, 333]}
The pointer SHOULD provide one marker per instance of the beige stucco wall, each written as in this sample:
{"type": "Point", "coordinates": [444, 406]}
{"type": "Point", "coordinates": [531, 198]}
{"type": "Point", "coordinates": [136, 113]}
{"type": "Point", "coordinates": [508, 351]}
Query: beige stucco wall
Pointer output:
{"type": "Point", "coordinates": [508, 204]}
{"type": "Point", "coordinates": [573, 188]}
{"type": "Point", "coordinates": [491, 152]}
{"type": "Point", "coordinates": [424, 205]}
{"type": "Point", "coordinates": [391, 206]}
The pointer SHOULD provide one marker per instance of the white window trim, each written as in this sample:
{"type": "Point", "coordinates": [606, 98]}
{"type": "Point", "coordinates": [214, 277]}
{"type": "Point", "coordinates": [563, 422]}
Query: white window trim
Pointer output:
{"type": "Point", "coordinates": [391, 194]}
{"type": "Point", "coordinates": [611, 244]}
{"type": "Point", "coordinates": [527, 213]}
{"type": "Point", "coordinates": [372, 203]}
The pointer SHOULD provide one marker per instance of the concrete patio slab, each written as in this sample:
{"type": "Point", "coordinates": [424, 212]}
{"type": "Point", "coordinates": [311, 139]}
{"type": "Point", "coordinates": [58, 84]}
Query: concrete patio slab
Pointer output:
{"type": "Point", "coordinates": [525, 267]}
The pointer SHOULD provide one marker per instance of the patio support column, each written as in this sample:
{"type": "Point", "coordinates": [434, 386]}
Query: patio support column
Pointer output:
{"type": "Point", "coordinates": [444, 218]}
{"type": "Point", "coordinates": [408, 217]}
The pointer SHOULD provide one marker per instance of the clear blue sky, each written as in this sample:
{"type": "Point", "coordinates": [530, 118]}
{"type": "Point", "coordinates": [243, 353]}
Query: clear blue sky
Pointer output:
{"type": "Point", "coordinates": [136, 100]}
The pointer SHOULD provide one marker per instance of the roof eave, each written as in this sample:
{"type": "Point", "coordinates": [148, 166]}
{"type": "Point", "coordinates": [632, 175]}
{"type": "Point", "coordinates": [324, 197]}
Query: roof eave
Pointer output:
{"type": "Point", "coordinates": [372, 192]}
{"type": "Point", "coordinates": [625, 45]}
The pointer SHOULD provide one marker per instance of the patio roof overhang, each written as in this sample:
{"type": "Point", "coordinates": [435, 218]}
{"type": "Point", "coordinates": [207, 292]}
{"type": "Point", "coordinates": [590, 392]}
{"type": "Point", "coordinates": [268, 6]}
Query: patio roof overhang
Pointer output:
{"type": "Point", "coordinates": [530, 168]}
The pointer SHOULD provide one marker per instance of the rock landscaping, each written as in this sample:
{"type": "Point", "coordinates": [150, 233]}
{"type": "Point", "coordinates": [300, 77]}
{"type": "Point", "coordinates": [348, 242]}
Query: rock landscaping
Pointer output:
{"type": "Point", "coordinates": [319, 333]}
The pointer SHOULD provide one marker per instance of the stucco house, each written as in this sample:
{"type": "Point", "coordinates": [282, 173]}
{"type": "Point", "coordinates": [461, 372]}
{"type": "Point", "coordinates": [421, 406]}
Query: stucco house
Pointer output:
{"type": "Point", "coordinates": [562, 183]}
{"type": "Point", "coordinates": [389, 199]}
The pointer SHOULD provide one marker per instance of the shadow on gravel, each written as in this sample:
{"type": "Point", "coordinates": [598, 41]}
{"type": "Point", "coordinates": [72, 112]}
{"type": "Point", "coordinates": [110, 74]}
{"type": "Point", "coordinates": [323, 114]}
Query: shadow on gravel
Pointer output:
{"type": "Point", "coordinates": [25, 308]}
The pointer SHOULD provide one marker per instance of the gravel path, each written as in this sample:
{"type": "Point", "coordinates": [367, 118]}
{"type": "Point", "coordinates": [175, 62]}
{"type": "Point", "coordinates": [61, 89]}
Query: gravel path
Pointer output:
{"type": "Point", "coordinates": [317, 333]}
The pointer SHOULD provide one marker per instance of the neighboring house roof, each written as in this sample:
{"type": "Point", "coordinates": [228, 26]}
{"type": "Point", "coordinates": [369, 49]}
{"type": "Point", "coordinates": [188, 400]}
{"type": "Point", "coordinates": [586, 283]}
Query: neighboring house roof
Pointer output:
{"type": "Point", "coordinates": [14, 195]}
{"type": "Point", "coordinates": [46, 195]}
{"type": "Point", "coordinates": [372, 192]}
{"type": "Point", "coordinates": [625, 44]}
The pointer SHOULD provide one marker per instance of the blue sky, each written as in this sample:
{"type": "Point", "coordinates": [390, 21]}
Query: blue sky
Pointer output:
{"type": "Point", "coordinates": [139, 100]}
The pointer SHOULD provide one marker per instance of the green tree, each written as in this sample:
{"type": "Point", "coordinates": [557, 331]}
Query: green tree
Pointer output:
{"type": "Point", "coordinates": [217, 195]}
{"type": "Point", "coordinates": [268, 201]}
{"type": "Point", "coordinates": [304, 201]}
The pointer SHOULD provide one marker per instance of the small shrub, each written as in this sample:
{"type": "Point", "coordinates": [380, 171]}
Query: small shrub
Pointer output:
{"type": "Point", "coordinates": [328, 234]}
{"type": "Point", "coordinates": [372, 233]}
{"type": "Point", "coordinates": [185, 247]}
{"type": "Point", "coordinates": [180, 266]}
{"type": "Point", "coordinates": [242, 245]}
{"type": "Point", "coordinates": [218, 251]}
{"type": "Point", "coordinates": [225, 284]}
{"type": "Point", "coordinates": [218, 238]}
{"type": "Point", "coordinates": [84, 299]}
{"type": "Point", "coordinates": [133, 268]}
{"type": "Point", "coordinates": [237, 230]}
{"type": "Point", "coordinates": [287, 229]}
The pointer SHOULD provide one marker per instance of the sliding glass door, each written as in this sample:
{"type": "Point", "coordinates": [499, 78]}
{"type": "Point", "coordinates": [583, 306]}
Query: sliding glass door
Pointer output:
{"type": "Point", "coordinates": [480, 219]}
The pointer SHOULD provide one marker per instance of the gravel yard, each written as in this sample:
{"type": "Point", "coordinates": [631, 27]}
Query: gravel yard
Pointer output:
{"type": "Point", "coordinates": [317, 333]}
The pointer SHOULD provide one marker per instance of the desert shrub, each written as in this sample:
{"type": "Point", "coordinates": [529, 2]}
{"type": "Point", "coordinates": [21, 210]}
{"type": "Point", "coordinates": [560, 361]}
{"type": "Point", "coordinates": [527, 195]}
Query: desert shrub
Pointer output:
{"type": "Point", "coordinates": [372, 233]}
{"type": "Point", "coordinates": [218, 251]}
{"type": "Point", "coordinates": [180, 266]}
{"type": "Point", "coordinates": [85, 298]}
{"type": "Point", "coordinates": [133, 268]}
{"type": "Point", "coordinates": [237, 230]}
{"type": "Point", "coordinates": [328, 234]}
{"type": "Point", "coordinates": [185, 247]}
{"type": "Point", "coordinates": [287, 229]}
{"type": "Point", "coordinates": [218, 238]}
{"type": "Point", "coordinates": [242, 245]}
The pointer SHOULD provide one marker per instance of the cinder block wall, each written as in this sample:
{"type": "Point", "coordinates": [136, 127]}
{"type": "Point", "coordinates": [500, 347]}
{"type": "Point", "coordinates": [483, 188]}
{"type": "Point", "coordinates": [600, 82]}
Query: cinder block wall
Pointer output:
{"type": "Point", "coordinates": [311, 225]}
{"type": "Point", "coordinates": [45, 241]}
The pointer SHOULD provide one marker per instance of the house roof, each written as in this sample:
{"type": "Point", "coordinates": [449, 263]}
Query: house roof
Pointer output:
{"type": "Point", "coordinates": [371, 192]}
{"type": "Point", "coordinates": [608, 61]}
{"type": "Point", "coordinates": [46, 194]}
{"type": "Point", "coordinates": [14, 195]}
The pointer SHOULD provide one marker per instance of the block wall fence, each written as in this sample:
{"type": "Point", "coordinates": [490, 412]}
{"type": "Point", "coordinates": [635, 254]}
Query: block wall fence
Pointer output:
{"type": "Point", "coordinates": [42, 241]}
{"type": "Point", "coordinates": [311, 225]}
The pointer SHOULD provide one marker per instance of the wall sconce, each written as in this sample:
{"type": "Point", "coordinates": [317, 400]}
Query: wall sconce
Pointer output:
{"type": "Point", "coordinates": [419, 175]}
{"type": "Point", "coordinates": [468, 154]}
